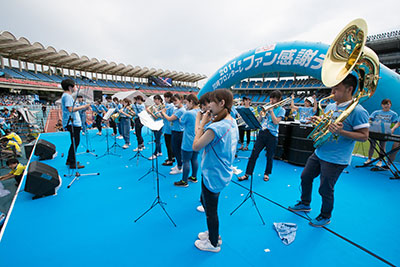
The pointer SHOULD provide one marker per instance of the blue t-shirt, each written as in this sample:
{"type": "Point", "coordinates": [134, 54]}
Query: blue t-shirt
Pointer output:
{"type": "Point", "coordinates": [305, 113]}
{"type": "Point", "coordinates": [219, 154]}
{"type": "Point", "coordinates": [98, 108]}
{"type": "Point", "coordinates": [137, 108]}
{"type": "Point", "coordinates": [68, 101]}
{"type": "Point", "coordinates": [176, 124]}
{"type": "Point", "coordinates": [384, 116]}
{"type": "Point", "coordinates": [169, 111]}
{"type": "Point", "coordinates": [339, 151]}
{"type": "Point", "coordinates": [188, 121]}
{"type": "Point", "coordinates": [82, 112]}
{"type": "Point", "coordinates": [267, 122]}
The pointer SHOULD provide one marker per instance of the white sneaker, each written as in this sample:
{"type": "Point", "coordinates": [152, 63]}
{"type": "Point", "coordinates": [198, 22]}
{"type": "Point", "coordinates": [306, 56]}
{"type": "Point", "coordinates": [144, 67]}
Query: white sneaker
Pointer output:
{"type": "Point", "coordinates": [98, 133]}
{"type": "Point", "coordinates": [205, 245]}
{"type": "Point", "coordinates": [367, 161]}
{"type": "Point", "coordinates": [120, 137]}
{"type": "Point", "coordinates": [113, 134]}
{"type": "Point", "coordinates": [177, 171]}
{"type": "Point", "coordinates": [174, 168]}
{"type": "Point", "coordinates": [204, 236]}
{"type": "Point", "coordinates": [125, 146]}
{"type": "Point", "coordinates": [379, 164]}
{"type": "Point", "coordinates": [152, 157]}
{"type": "Point", "coordinates": [159, 154]}
{"type": "Point", "coordinates": [136, 149]}
{"type": "Point", "coordinates": [200, 208]}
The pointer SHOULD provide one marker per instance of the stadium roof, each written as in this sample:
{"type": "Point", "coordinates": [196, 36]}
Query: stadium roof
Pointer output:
{"type": "Point", "coordinates": [22, 49]}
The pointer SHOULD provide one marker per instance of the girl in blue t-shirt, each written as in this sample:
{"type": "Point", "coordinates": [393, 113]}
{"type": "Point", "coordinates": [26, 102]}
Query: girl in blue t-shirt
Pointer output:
{"type": "Point", "coordinates": [188, 121]}
{"type": "Point", "coordinates": [219, 140]}
{"type": "Point", "coordinates": [155, 112]}
{"type": "Point", "coordinates": [98, 111]}
{"type": "Point", "coordinates": [138, 107]}
{"type": "Point", "coordinates": [176, 131]}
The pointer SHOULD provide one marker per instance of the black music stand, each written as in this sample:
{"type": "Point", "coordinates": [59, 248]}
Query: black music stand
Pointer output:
{"type": "Point", "coordinates": [157, 201]}
{"type": "Point", "coordinates": [108, 152]}
{"type": "Point", "coordinates": [250, 120]}
{"type": "Point", "coordinates": [252, 123]}
{"type": "Point", "coordinates": [152, 169]}
{"type": "Point", "coordinates": [88, 146]}
{"type": "Point", "coordinates": [383, 156]}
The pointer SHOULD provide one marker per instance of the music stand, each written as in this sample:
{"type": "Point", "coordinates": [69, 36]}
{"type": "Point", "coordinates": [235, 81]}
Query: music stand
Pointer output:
{"type": "Point", "coordinates": [252, 123]}
{"type": "Point", "coordinates": [88, 146]}
{"type": "Point", "coordinates": [147, 121]}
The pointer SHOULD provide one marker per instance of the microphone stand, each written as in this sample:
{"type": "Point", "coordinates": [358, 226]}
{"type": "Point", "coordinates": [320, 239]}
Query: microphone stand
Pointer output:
{"type": "Point", "coordinates": [75, 173]}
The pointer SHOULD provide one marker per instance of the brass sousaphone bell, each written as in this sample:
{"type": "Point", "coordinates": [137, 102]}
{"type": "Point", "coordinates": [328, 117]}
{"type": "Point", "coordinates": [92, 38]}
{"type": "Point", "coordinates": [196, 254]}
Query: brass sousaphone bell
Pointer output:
{"type": "Point", "coordinates": [346, 54]}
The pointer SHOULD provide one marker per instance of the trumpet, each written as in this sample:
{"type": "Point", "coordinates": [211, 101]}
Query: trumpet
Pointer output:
{"type": "Point", "coordinates": [156, 109]}
{"type": "Point", "coordinates": [268, 106]}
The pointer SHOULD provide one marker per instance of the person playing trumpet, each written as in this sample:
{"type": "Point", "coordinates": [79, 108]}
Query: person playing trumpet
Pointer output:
{"type": "Point", "coordinates": [309, 109]}
{"type": "Point", "coordinates": [155, 112]}
{"type": "Point", "coordinates": [98, 112]}
{"type": "Point", "coordinates": [267, 137]}
{"type": "Point", "coordinates": [242, 128]}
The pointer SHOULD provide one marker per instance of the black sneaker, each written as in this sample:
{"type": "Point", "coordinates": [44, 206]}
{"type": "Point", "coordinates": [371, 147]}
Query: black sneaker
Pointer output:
{"type": "Point", "coordinates": [181, 183]}
{"type": "Point", "coordinates": [192, 179]}
{"type": "Point", "coordinates": [168, 163]}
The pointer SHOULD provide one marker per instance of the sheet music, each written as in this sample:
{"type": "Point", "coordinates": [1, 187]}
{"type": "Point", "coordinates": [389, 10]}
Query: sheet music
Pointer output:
{"type": "Point", "coordinates": [147, 120]}
{"type": "Point", "coordinates": [108, 114]}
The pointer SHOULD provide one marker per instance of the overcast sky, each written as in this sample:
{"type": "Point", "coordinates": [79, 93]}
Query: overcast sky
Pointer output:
{"type": "Point", "coordinates": [190, 36]}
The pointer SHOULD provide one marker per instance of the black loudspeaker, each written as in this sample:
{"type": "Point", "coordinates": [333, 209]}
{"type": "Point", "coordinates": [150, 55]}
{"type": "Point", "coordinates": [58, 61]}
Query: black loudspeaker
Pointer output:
{"type": "Point", "coordinates": [97, 95]}
{"type": "Point", "coordinates": [42, 180]}
{"type": "Point", "coordinates": [44, 149]}
{"type": "Point", "coordinates": [28, 149]}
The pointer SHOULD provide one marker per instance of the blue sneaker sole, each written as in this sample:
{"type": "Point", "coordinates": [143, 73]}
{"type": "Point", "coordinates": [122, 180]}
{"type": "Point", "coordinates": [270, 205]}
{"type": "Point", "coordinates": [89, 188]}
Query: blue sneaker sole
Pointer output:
{"type": "Point", "coordinates": [319, 225]}
{"type": "Point", "coordinates": [305, 210]}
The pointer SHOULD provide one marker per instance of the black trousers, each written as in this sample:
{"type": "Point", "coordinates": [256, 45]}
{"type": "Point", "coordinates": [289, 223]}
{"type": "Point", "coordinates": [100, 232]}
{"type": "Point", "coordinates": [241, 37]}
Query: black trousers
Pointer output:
{"type": "Point", "coordinates": [167, 138]}
{"type": "Point", "coordinates": [113, 125]}
{"type": "Point", "coordinates": [138, 132]}
{"type": "Point", "coordinates": [242, 131]}
{"type": "Point", "coordinates": [209, 200]}
{"type": "Point", "coordinates": [75, 135]}
{"type": "Point", "coordinates": [267, 140]}
{"type": "Point", "coordinates": [98, 122]}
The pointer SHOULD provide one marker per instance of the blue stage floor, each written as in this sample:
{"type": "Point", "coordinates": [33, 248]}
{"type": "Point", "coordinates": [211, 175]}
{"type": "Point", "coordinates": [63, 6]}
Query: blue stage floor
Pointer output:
{"type": "Point", "coordinates": [92, 223]}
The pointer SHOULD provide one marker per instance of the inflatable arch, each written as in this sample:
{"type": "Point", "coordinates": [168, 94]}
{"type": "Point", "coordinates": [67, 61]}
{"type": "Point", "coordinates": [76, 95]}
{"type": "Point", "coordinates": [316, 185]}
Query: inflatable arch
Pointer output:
{"type": "Point", "coordinates": [302, 59]}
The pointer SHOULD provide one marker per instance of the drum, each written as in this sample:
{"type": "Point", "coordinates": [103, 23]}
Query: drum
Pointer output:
{"type": "Point", "coordinates": [300, 147]}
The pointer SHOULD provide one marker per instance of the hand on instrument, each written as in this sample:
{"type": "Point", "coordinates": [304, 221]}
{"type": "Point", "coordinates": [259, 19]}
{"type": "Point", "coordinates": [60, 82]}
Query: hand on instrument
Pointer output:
{"type": "Point", "coordinates": [314, 119]}
{"type": "Point", "coordinates": [335, 128]}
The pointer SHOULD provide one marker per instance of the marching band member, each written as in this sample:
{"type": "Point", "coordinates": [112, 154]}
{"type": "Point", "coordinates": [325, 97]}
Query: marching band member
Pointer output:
{"type": "Point", "coordinates": [331, 158]}
{"type": "Point", "coordinates": [267, 137]}
{"type": "Point", "coordinates": [219, 140]}
{"type": "Point", "coordinates": [242, 129]}
{"type": "Point", "coordinates": [385, 116]}
{"type": "Point", "coordinates": [309, 109]}
{"type": "Point", "coordinates": [119, 106]}
{"type": "Point", "coordinates": [138, 107]}
{"type": "Point", "coordinates": [99, 110]}
{"type": "Point", "coordinates": [176, 131]}
{"type": "Point", "coordinates": [169, 107]}
{"type": "Point", "coordinates": [125, 117]}
{"type": "Point", "coordinates": [189, 156]}
{"type": "Point", "coordinates": [111, 104]}
{"type": "Point", "coordinates": [155, 112]}
{"type": "Point", "coordinates": [71, 120]}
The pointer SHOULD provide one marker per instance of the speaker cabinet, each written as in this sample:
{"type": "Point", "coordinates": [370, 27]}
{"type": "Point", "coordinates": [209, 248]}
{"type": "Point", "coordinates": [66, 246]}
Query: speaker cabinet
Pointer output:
{"type": "Point", "coordinates": [41, 180]}
{"type": "Point", "coordinates": [97, 95]}
{"type": "Point", "coordinates": [44, 149]}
